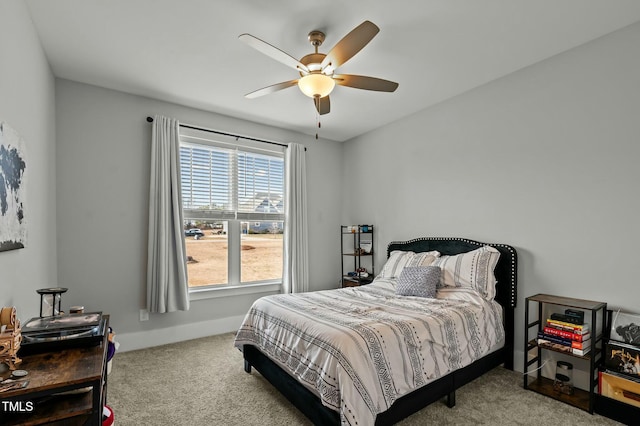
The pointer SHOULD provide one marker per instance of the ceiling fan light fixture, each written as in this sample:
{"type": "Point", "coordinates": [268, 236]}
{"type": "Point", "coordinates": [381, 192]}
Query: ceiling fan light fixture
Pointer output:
{"type": "Point", "coordinates": [316, 84]}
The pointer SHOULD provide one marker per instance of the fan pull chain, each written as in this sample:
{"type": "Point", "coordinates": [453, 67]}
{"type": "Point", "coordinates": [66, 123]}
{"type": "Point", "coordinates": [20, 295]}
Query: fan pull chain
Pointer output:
{"type": "Point", "coordinates": [316, 99]}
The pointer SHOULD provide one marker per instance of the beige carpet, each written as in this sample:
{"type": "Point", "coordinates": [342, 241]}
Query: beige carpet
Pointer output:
{"type": "Point", "coordinates": [202, 382]}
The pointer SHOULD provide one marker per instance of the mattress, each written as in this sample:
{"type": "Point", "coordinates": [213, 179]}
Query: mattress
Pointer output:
{"type": "Point", "coordinates": [361, 348]}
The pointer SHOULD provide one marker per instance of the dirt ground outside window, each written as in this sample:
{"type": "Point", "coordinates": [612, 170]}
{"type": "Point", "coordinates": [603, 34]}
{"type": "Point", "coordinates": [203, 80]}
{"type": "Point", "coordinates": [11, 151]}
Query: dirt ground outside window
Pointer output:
{"type": "Point", "coordinates": [261, 258]}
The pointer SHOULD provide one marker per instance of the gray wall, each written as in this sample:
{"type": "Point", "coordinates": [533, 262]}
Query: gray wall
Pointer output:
{"type": "Point", "coordinates": [545, 159]}
{"type": "Point", "coordinates": [103, 162]}
{"type": "Point", "coordinates": [27, 105]}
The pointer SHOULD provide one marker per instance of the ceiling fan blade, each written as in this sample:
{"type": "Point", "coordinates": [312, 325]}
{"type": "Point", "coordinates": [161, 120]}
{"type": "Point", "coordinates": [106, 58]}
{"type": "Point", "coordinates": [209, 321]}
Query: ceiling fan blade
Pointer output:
{"type": "Point", "coordinates": [366, 83]}
{"type": "Point", "coordinates": [323, 105]}
{"type": "Point", "coordinates": [271, 89]}
{"type": "Point", "coordinates": [350, 44]}
{"type": "Point", "coordinates": [273, 52]}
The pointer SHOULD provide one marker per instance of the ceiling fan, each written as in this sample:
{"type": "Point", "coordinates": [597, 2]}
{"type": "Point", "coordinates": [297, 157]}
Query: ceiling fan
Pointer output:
{"type": "Point", "coordinates": [317, 78]}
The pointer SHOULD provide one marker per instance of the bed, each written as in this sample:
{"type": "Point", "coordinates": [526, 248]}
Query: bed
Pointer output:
{"type": "Point", "coordinates": [371, 375]}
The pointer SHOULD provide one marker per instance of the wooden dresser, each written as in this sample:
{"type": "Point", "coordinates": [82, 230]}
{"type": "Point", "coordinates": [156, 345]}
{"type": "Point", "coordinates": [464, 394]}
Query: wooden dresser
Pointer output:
{"type": "Point", "coordinates": [80, 372]}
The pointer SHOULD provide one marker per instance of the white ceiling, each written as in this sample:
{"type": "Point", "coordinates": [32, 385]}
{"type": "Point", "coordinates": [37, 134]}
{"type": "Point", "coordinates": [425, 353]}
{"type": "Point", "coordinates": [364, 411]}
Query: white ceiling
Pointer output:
{"type": "Point", "coordinates": [188, 52]}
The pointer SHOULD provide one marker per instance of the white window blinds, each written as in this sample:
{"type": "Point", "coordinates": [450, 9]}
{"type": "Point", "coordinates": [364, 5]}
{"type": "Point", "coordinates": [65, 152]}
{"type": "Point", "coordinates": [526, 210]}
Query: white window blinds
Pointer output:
{"type": "Point", "coordinates": [260, 186]}
{"type": "Point", "coordinates": [222, 181]}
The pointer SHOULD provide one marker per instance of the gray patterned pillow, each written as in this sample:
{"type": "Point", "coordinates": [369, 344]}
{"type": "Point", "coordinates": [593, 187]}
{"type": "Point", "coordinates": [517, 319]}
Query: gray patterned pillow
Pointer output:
{"type": "Point", "coordinates": [418, 281]}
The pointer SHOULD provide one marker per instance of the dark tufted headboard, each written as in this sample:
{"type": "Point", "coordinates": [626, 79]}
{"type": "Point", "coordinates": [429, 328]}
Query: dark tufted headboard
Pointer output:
{"type": "Point", "coordinates": [506, 271]}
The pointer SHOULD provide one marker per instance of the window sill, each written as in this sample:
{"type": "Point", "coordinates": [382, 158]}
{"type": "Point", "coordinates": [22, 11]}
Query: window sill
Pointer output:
{"type": "Point", "coordinates": [233, 290]}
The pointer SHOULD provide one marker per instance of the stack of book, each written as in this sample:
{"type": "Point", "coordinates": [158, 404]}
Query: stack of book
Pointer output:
{"type": "Point", "coordinates": [566, 333]}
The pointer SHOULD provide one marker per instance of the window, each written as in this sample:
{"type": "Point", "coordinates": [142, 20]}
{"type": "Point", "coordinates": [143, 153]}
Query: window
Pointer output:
{"type": "Point", "coordinates": [233, 207]}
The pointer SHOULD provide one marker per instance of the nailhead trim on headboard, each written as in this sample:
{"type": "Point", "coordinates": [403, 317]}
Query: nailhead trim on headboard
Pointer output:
{"type": "Point", "coordinates": [513, 258]}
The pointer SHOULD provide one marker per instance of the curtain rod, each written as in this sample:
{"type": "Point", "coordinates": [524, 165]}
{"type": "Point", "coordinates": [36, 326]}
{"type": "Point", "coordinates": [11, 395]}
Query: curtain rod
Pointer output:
{"type": "Point", "coordinates": [186, 126]}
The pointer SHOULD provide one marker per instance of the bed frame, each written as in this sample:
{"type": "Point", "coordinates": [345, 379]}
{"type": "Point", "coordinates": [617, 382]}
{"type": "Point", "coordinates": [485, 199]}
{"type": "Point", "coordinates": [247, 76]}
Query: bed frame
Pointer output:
{"type": "Point", "coordinates": [311, 406]}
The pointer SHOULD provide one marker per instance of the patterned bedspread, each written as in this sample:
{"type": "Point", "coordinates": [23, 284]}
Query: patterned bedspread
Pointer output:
{"type": "Point", "coordinates": [361, 348]}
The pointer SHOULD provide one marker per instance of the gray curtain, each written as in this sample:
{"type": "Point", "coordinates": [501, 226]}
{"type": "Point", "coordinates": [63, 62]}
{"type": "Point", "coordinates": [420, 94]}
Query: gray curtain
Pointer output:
{"type": "Point", "coordinates": [296, 253]}
{"type": "Point", "coordinates": [167, 286]}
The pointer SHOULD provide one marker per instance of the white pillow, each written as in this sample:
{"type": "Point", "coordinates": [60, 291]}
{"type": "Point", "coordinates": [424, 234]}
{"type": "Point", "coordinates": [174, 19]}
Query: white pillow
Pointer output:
{"type": "Point", "coordinates": [396, 263]}
{"type": "Point", "coordinates": [425, 258]}
{"type": "Point", "coordinates": [398, 260]}
{"type": "Point", "coordinates": [472, 270]}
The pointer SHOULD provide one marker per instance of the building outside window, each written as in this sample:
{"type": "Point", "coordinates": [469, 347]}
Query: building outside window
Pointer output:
{"type": "Point", "coordinates": [233, 207]}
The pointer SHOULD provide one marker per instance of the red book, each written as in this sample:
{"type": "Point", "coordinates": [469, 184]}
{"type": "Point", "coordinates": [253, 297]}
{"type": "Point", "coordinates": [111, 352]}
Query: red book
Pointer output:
{"type": "Point", "coordinates": [600, 382]}
{"type": "Point", "coordinates": [575, 328]}
{"type": "Point", "coordinates": [581, 345]}
{"type": "Point", "coordinates": [567, 334]}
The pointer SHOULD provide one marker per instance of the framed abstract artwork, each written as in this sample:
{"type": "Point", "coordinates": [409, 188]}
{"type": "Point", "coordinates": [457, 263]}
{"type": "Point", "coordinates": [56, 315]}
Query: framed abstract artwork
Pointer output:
{"type": "Point", "coordinates": [13, 231]}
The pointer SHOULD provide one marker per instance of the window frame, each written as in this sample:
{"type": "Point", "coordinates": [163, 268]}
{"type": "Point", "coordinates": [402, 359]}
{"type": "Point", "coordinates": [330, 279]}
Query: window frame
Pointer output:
{"type": "Point", "coordinates": [233, 216]}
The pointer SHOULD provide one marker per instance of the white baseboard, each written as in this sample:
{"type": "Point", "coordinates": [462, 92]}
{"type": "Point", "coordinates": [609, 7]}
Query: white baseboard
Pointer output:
{"type": "Point", "coordinates": [179, 333]}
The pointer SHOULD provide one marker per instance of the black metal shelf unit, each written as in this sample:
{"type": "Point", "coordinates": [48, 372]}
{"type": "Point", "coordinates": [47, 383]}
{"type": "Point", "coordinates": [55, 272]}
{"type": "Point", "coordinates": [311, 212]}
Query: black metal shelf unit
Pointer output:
{"type": "Point", "coordinates": [533, 352]}
{"type": "Point", "coordinates": [354, 241]}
